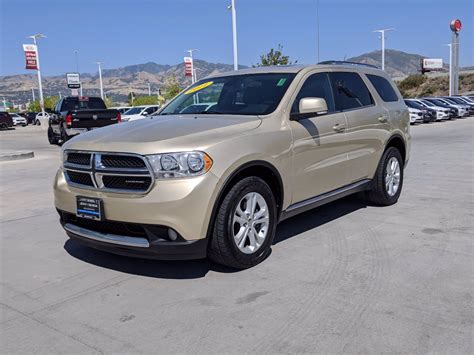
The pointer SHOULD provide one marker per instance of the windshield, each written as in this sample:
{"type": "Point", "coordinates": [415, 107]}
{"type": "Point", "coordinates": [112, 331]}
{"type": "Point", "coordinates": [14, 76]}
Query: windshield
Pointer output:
{"type": "Point", "coordinates": [252, 94]}
{"type": "Point", "coordinates": [426, 102]}
{"type": "Point", "coordinates": [134, 111]}
{"type": "Point", "coordinates": [413, 104]}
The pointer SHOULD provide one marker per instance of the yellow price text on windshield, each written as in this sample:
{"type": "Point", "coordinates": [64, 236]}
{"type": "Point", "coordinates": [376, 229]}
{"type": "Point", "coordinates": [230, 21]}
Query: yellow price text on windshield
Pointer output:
{"type": "Point", "coordinates": [199, 87]}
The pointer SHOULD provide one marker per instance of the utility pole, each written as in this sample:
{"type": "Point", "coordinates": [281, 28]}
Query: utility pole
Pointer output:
{"type": "Point", "coordinates": [34, 37]}
{"type": "Point", "coordinates": [317, 24]}
{"type": "Point", "coordinates": [77, 71]}
{"type": "Point", "coordinates": [382, 37]}
{"type": "Point", "coordinates": [455, 26]}
{"type": "Point", "coordinates": [193, 76]}
{"type": "Point", "coordinates": [234, 33]}
{"type": "Point", "coordinates": [100, 80]}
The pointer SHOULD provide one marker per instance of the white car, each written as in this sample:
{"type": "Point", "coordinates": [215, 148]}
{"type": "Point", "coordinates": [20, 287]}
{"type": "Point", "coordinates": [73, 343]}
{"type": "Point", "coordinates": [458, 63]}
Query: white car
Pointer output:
{"type": "Point", "coordinates": [18, 120]}
{"type": "Point", "coordinates": [463, 110]}
{"type": "Point", "coordinates": [122, 109]}
{"type": "Point", "coordinates": [416, 116]}
{"type": "Point", "coordinates": [139, 112]}
{"type": "Point", "coordinates": [40, 115]}
{"type": "Point", "coordinates": [442, 113]}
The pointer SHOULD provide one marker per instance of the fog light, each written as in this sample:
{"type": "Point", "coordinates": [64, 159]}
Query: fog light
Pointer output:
{"type": "Point", "coordinates": [172, 234]}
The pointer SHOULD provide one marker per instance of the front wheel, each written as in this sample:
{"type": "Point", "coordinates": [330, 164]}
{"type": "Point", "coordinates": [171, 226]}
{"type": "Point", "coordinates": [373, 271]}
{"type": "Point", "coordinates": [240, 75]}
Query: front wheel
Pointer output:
{"type": "Point", "coordinates": [245, 225]}
{"type": "Point", "coordinates": [388, 179]}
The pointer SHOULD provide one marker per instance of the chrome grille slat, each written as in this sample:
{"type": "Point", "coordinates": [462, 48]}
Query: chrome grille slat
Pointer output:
{"type": "Point", "coordinates": [118, 172]}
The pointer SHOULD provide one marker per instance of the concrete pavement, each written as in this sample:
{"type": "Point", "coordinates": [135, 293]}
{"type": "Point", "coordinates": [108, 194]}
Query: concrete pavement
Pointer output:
{"type": "Point", "coordinates": [346, 277]}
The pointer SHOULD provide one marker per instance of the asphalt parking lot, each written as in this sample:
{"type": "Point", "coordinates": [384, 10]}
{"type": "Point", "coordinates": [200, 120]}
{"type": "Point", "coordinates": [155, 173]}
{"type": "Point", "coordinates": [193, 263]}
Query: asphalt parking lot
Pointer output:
{"type": "Point", "coordinates": [345, 277]}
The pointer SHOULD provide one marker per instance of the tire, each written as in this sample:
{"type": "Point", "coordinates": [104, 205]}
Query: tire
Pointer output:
{"type": "Point", "coordinates": [223, 248]}
{"type": "Point", "coordinates": [51, 137]}
{"type": "Point", "coordinates": [64, 136]}
{"type": "Point", "coordinates": [381, 194]}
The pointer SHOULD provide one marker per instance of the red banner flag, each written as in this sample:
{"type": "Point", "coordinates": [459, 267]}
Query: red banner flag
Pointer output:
{"type": "Point", "coordinates": [30, 56]}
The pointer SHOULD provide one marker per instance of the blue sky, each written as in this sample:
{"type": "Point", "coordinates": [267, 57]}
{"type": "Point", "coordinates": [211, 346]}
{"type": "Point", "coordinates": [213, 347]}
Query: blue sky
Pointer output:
{"type": "Point", "coordinates": [124, 32]}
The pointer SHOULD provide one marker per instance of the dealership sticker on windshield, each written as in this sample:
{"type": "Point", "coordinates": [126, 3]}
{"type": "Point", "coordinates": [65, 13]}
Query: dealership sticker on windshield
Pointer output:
{"type": "Point", "coordinates": [281, 82]}
{"type": "Point", "coordinates": [199, 87]}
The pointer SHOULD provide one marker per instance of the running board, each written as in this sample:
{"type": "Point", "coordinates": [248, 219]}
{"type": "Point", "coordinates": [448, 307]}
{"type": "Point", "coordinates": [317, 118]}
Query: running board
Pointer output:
{"type": "Point", "coordinates": [327, 197]}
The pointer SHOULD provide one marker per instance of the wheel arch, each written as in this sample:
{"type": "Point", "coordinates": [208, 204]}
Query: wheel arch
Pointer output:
{"type": "Point", "coordinates": [398, 142]}
{"type": "Point", "coordinates": [260, 168]}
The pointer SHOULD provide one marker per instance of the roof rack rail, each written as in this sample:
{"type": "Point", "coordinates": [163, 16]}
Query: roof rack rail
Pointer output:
{"type": "Point", "coordinates": [343, 62]}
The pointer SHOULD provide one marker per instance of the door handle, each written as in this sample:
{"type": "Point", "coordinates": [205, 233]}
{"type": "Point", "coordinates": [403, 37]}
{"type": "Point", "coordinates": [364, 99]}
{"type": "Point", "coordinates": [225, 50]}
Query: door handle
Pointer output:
{"type": "Point", "coordinates": [339, 128]}
{"type": "Point", "coordinates": [383, 119]}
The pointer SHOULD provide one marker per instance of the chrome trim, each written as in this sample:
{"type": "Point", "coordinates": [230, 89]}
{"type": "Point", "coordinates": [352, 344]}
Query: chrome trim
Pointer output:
{"type": "Point", "coordinates": [106, 237]}
{"type": "Point", "coordinates": [98, 172]}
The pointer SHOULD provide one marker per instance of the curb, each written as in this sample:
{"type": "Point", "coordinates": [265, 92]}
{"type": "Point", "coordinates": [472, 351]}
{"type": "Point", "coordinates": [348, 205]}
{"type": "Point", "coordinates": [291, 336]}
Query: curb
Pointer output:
{"type": "Point", "coordinates": [16, 155]}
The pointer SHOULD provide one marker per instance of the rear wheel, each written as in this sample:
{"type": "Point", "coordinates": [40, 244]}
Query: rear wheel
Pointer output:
{"type": "Point", "coordinates": [245, 225]}
{"type": "Point", "coordinates": [388, 180]}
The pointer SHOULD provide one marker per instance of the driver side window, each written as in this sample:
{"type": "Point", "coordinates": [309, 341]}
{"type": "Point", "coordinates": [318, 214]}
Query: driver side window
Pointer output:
{"type": "Point", "coordinates": [317, 85]}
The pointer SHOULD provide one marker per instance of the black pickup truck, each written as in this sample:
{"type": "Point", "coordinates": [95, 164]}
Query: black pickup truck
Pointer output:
{"type": "Point", "coordinates": [73, 115]}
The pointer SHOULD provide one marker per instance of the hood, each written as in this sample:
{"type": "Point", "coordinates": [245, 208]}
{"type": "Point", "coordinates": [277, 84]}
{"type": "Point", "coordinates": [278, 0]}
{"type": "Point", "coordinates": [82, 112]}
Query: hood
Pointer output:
{"type": "Point", "coordinates": [161, 134]}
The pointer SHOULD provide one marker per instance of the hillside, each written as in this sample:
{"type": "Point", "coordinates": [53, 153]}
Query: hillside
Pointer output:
{"type": "Point", "coordinates": [418, 85]}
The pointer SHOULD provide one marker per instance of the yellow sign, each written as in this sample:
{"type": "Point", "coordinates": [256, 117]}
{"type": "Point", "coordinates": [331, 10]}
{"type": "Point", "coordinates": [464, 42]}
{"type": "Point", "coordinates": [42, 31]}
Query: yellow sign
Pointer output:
{"type": "Point", "coordinates": [199, 87]}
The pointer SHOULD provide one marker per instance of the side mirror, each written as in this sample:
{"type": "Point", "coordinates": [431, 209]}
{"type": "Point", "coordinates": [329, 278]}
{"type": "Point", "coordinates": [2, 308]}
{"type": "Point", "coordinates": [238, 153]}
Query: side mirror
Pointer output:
{"type": "Point", "coordinates": [145, 113]}
{"type": "Point", "coordinates": [310, 106]}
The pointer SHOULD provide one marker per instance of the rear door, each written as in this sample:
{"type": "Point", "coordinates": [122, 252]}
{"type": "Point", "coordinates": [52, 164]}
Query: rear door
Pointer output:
{"type": "Point", "coordinates": [319, 144]}
{"type": "Point", "coordinates": [367, 122]}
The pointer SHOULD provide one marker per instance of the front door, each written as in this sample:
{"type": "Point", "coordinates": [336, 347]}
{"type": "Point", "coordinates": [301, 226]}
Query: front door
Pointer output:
{"type": "Point", "coordinates": [319, 148]}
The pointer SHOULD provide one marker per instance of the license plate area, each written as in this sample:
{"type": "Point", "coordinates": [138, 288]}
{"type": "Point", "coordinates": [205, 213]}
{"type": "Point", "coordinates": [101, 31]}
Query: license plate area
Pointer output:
{"type": "Point", "coordinates": [90, 208]}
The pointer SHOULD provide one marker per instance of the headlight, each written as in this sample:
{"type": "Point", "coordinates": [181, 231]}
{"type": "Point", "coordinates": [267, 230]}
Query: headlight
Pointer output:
{"type": "Point", "coordinates": [176, 165]}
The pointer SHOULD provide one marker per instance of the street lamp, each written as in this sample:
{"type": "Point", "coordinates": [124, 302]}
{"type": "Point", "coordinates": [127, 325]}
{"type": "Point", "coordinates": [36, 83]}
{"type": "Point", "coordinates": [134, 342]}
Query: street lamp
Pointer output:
{"type": "Point", "coordinates": [35, 37]}
{"type": "Point", "coordinates": [100, 80]}
{"type": "Point", "coordinates": [76, 53]}
{"type": "Point", "coordinates": [382, 37]}
{"type": "Point", "coordinates": [450, 68]}
{"type": "Point", "coordinates": [234, 33]}
{"type": "Point", "coordinates": [193, 74]}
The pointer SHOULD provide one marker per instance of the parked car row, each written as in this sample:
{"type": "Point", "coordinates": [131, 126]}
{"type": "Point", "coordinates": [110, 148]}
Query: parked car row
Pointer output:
{"type": "Point", "coordinates": [430, 109]}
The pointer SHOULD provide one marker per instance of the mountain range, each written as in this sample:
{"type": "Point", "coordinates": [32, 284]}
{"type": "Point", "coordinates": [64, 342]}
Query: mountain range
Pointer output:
{"type": "Point", "coordinates": [119, 82]}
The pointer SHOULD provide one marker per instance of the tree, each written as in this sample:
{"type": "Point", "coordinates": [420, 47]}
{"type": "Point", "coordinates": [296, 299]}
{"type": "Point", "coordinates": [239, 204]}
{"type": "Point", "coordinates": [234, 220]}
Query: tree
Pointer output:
{"type": "Point", "coordinates": [49, 104]}
{"type": "Point", "coordinates": [108, 102]}
{"type": "Point", "coordinates": [145, 100]}
{"type": "Point", "coordinates": [171, 87]}
{"type": "Point", "coordinates": [275, 57]}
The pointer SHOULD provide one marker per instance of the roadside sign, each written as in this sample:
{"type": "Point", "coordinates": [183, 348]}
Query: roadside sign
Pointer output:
{"type": "Point", "coordinates": [188, 66]}
{"type": "Point", "coordinates": [73, 80]}
{"type": "Point", "coordinates": [432, 63]}
{"type": "Point", "coordinates": [74, 92]}
{"type": "Point", "coordinates": [31, 56]}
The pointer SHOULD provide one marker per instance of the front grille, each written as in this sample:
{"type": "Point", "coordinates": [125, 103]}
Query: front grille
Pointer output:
{"type": "Point", "coordinates": [141, 183]}
{"type": "Point", "coordinates": [79, 158]}
{"type": "Point", "coordinates": [122, 173]}
{"type": "Point", "coordinates": [79, 178]}
{"type": "Point", "coordinates": [122, 161]}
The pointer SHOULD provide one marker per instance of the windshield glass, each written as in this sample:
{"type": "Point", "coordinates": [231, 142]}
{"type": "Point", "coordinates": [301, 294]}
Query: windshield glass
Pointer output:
{"type": "Point", "coordinates": [426, 102]}
{"type": "Point", "coordinates": [252, 94]}
{"type": "Point", "coordinates": [134, 111]}
{"type": "Point", "coordinates": [90, 103]}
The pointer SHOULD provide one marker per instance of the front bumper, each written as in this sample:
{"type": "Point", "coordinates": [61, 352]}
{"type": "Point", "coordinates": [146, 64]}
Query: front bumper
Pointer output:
{"type": "Point", "coordinates": [182, 205]}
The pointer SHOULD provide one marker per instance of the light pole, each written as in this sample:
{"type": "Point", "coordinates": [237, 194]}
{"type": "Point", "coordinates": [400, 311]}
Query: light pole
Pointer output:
{"type": "Point", "coordinates": [382, 37]}
{"type": "Point", "coordinates": [193, 74]}
{"type": "Point", "coordinates": [76, 53]}
{"type": "Point", "coordinates": [100, 80]}
{"type": "Point", "coordinates": [317, 24]}
{"type": "Point", "coordinates": [33, 93]}
{"type": "Point", "coordinates": [234, 33]}
{"type": "Point", "coordinates": [450, 68]}
{"type": "Point", "coordinates": [149, 89]}
{"type": "Point", "coordinates": [34, 37]}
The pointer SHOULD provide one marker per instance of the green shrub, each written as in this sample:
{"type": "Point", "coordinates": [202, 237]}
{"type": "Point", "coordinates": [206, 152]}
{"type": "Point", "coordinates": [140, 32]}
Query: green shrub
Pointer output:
{"type": "Point", "coordinates": [412, 82]}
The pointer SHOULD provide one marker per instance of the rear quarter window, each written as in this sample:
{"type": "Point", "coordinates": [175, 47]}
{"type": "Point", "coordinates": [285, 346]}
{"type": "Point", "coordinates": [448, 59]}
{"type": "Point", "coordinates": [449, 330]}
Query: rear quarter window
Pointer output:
{"type": "Point", "coordinates": [383, 87]}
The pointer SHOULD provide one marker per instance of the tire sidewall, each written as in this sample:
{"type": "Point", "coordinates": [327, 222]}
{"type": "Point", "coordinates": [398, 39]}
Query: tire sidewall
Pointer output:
{"type": "Point", "coordinates": [392, 153]}
{"type": "Point", "coordinates": [264, 190]}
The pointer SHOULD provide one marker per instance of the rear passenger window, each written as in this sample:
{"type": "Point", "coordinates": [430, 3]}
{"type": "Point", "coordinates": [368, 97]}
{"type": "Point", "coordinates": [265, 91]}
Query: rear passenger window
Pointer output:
{"type": "Point", "coordinates": [383, 87]}
{"type": "Point", "coordinates": [317, 85]}
{"type": "Point", "coordinates": [350, 91]}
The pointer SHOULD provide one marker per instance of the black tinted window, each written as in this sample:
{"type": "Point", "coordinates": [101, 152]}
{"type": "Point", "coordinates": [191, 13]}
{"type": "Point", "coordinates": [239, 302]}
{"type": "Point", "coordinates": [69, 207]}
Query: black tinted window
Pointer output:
{"type": "Point", "coordinates": [350, 91]}
{"type": "Point", "coordinates": [383, 87]}
{"type": "Point", "coordinates": [317, 85]}
{"type": "Point", "coordinates": [88, 103]}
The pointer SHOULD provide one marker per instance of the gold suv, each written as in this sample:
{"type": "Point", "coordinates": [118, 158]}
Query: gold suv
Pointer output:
{"type": "Point", "coordinates": [231, 156]}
